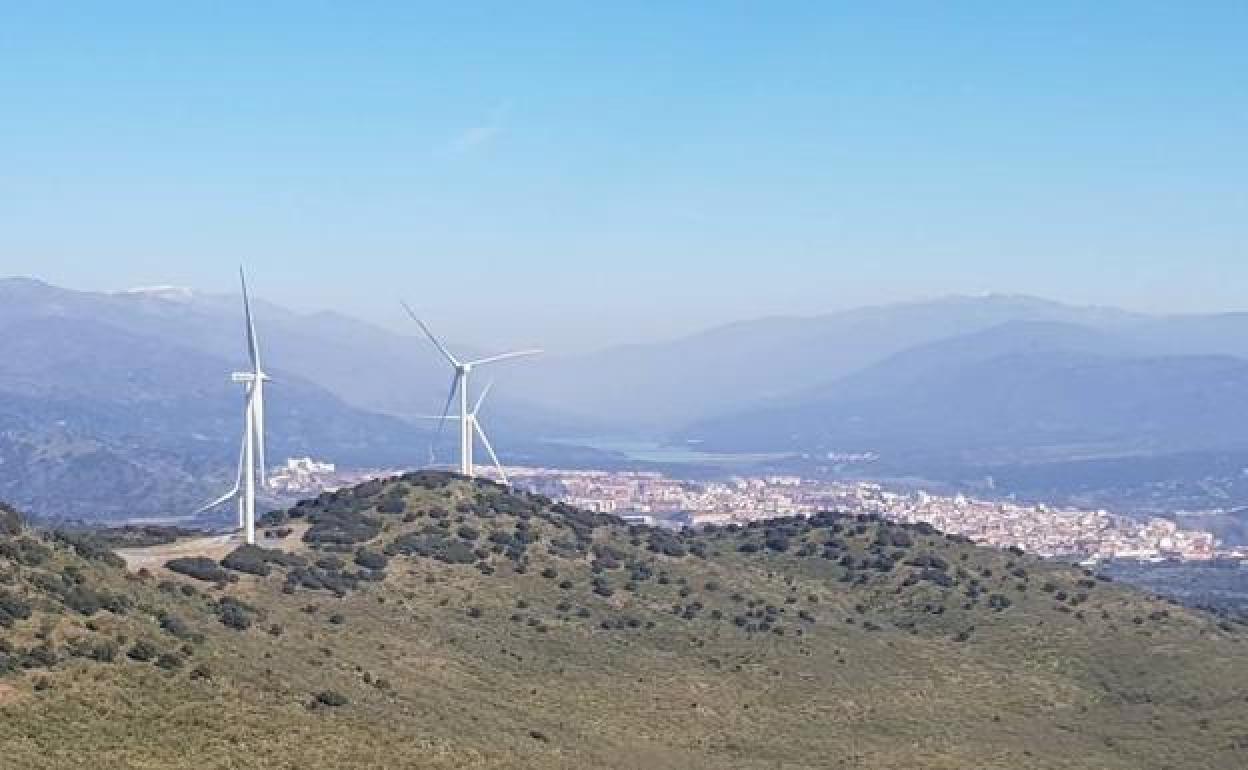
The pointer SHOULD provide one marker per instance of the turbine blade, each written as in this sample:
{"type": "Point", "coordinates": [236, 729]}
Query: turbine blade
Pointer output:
{"type": "Point", "coordinates": [253, 345]}
{"type": "Point", "coordinates": [450, 397]}
{"type": "Point", "coordinates": [505, 356]}
{"type": "Point", "coordinates": [432, 338]}
{"type": "Point", "coordinates": [488, 448]}
{"type": "Point", "coordinates": [484, 392]}
{"type": "Point", "coordinates": [218, 501]}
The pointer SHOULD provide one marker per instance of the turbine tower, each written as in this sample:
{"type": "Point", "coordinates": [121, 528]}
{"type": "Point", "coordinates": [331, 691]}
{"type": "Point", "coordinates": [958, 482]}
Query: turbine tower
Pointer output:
{"type": "Point", "coordinates": [251, 457]}
{"type": "Point", "coordinates": [460, 383]}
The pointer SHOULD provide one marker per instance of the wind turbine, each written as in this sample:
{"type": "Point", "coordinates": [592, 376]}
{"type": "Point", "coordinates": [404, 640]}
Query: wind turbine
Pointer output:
{"type": "Point", "coordinates": [459, 383]}
{"type": "Point", "coordinates": [477, 429]}
{"type": "Point", "coordinates": [251, 459]}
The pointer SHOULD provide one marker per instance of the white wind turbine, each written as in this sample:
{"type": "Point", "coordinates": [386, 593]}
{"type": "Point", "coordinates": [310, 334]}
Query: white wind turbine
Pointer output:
{"type": "Point", "coordinates": [251, 458]}
{"type": "Point", "coordinates": [476, 428]}
{"type": "Point", "coordinates": [467, 419]}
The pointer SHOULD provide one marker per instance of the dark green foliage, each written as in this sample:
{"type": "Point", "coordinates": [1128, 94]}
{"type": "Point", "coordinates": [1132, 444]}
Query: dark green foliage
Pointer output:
{"type": "Point", "coordinates": [104, 651]}
{"type": "Point", "coordinates": [316, 579]}
{"type": "Point", "coordinates": [169, 661]}
{"type": "Point", "coordinates": [664, 542]}
{"type": "Point", "coordinates": [24, 551]}
{"type": "Point", "coordinates": [999, 602]}
{"type": "Point", "coordinates": [243, 559]}
{"type": "Point", "coordinates": [331, 698]}
{"type": "Point", "coordinates": [370, 559]}
{"type": "Point", "coordinates": [392, 506]}
{"type": "Point", "coordinates": [89, 547]}
{"type": "Point", "coordinates": [12, 608]}
{"type": "Point", "coordinates": [142, 536]}
{"type": "Point", "coordinates": [142, 651]}
{"type": "Point", "coordinates": [235, 614]}
{"type": "Point", "coordinates": [39, 656]}
{"type": "Point", "coordinates": [200, 568]}
{"type": "Point", "coordinates": [336, 522]}
{"type": "Point", "coordinates": [75, 595]}
{"type": "Point", "coordinates": [177, 627]}
{"type": "Point", "coordinates": [445, 549]}
{"type": "Point", "coordinates": [777, 542]}
{"type": "Point", "coordinates": [11, 521]}
{"type": "Point", "coordinates": [256, 560]}
{"type": "Point", "coordinates": [330, 562]}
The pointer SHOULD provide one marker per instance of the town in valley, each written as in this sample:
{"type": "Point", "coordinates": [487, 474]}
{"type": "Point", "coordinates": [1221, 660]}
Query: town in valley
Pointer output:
{"type": "Point", "coordinates": [656, 499]}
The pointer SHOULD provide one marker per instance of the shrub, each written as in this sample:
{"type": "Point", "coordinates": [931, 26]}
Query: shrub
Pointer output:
{"type": "Point", "coordinates": [11, 521]}
{"type": "Point", "coordinates": [200, 568]}
{"type": "Point", "coordinates": [440, 547]}
{"type": "Point", "coordinates": [142, 651]}
{"type": "Point", "coordinates": [255, 560]}
{"type": "Point", "coordinates": [234, 613]}
{"type": "Point", "coordinates": [369, 559]}
{"type": "Point", "coordinates": [89, 548]}
{"type": "Point", "coordinates": [177, 627]}
{"type": "Point", "coordinates": [25, 551]}
{"type": "Point", "coordinates": [393, 506]}
{"type": "Point", "coordinates": [331, 698]}
{"type": "Point", "coordinates": [13, 608]}
{"type": "Point", "coordinates": [104, 651]}
{"type": "Point", "coordinates": [341, 527]}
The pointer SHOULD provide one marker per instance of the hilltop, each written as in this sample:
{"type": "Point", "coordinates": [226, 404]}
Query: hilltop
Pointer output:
{"type": "Point", "coordinates": [430, 621]}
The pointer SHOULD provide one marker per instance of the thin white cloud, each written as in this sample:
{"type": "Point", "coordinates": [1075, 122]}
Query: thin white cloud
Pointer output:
{"type": "Point", "coordinates": [477, 137]}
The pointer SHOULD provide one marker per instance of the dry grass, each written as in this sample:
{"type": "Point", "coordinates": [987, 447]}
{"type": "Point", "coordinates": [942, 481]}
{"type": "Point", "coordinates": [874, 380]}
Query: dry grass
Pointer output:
{"type": "Point", "coordinates": [1033, 687]}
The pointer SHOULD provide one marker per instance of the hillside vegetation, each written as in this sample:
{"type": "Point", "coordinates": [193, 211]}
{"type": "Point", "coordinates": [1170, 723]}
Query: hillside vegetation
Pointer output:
{"type": "Point", "coordinates": [429, 621]}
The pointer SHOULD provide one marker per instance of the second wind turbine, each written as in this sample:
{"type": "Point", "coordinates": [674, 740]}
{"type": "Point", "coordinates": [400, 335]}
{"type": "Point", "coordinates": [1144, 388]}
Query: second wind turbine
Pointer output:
{"type": "Point", "coordinates": [460, 383]}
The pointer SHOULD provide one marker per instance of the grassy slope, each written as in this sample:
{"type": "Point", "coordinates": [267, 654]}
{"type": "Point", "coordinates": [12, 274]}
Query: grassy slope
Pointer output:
{"type": "Point", "coordinates": [1029, 686]}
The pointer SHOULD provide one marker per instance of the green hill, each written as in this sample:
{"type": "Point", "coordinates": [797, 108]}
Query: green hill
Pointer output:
{"type": "Point", "coordinates": [433, 622]}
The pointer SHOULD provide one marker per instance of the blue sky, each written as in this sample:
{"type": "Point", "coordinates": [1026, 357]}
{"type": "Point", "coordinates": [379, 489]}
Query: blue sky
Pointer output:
{"type": "Point", "coordinates": [604, 174]}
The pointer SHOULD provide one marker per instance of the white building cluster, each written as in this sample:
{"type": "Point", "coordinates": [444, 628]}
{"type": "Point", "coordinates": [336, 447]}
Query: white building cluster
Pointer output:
{"type": "Point", "coordinates": [1040, 529]}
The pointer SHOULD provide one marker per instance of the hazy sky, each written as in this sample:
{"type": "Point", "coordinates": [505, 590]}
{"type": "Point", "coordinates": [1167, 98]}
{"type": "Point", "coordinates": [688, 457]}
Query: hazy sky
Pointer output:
{"type": "Point", "coordinates": [585, 174]}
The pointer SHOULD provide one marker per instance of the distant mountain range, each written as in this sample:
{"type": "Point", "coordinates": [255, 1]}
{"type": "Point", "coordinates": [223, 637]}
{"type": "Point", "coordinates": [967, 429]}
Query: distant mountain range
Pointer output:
{"type": "Point", "coordinates": [664, 386]}
{"type": "Point", "coordinates": [1132, 383]}
{"type": "Point", "coordinates": [115, 404]}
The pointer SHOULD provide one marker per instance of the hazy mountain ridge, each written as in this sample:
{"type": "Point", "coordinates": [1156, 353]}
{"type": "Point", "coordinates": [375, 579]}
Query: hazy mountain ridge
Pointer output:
{"type": "Point", "coordinates": [1013, 386]}
{"type": "Point", "coordinates": [662, 386]}
{"type": "Point", "coordinates": [952, 386]}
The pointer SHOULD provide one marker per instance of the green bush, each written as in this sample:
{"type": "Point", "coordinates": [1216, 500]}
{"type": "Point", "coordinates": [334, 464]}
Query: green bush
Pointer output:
{"type": "Point", "coordinates": [200, 568]}
{"type": "Point", "coordinates": [142, 651]}
{"type": "Point", "coordinates": [331, 698]}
